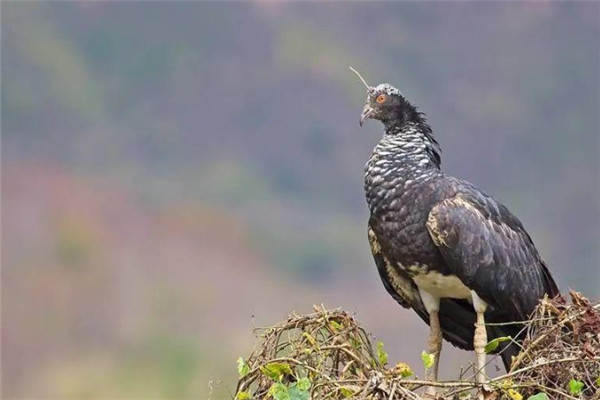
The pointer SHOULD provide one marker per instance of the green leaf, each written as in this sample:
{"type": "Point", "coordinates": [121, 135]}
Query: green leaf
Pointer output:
{"type": "Point", "coordinates": [304, 384]}
{"type": "Point", "coordinates": [382, 356]}
{"type": "Point", "coordinates": [279, 391]}
{"type": "Point", "coordinates": [403, 370]}
{"type": "Point", "coordinates": [514, 394]}
{"type": "Point", "coordinates": [347, 391]}
{"type": "Point", "coordinates": [539, 396]}
{"type": "Point", "coordinates": [276, 370]}
{"type": "Point", "coordinates": [598, 381]}
{"type": "Point", "coordinates": [310, 339]}
{"type": "Point", "coordinates": [493, 344]}
{"type": "Point", "coordinates": [243, 396]}
{"type": "Point", "coordinates": [575, 386]}
{"type": "Point", "coordinates": [336, 326]}
{"type": "Point", "coordinates": [242, 367]}
{"type": "Point", "coordinates": [428, 359]}
{"type": "Point", "coordinates": [297, 394]}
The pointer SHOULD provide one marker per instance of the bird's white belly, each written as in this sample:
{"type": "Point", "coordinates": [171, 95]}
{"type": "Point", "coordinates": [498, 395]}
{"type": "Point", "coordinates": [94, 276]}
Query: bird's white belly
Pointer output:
{"type": "Point", "coordinates": [442, 286]}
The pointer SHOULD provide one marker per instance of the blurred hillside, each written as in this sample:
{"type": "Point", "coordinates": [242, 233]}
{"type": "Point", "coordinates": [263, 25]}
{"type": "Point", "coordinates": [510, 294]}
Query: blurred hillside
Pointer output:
{"type": "Point", "coordinates": [170, 170]}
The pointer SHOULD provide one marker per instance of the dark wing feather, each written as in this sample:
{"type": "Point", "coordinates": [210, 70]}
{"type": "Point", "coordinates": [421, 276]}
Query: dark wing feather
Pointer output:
{"type": "Point", "coordinates": [396, 282]}
{"type": "Point", "coordinates": [457, 317]}
{"type": "Point", "coordinates": [490, 251]}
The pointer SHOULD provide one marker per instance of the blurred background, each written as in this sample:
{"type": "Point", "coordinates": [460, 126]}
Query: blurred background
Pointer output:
{"type": "Point", "coordinates": [176, 173]}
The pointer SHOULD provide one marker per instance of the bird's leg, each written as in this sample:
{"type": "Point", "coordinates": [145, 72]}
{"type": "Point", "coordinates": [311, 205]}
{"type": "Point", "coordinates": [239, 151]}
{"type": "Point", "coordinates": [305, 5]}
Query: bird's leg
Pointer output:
{"type": "Point", "coordinates": [434, 344]}
{"type": "Point", "coordinates": [479, 343]}
{"type": "Point", "coordinates": [480, 339]}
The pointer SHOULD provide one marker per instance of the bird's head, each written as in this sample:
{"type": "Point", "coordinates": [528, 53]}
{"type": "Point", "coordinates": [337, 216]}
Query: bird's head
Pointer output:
{"type": "Point", "coordinates": [386, 104]}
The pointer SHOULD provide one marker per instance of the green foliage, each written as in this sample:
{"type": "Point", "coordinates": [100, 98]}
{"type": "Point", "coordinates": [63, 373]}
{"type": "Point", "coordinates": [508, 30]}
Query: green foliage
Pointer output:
{"type": "Point", "coordinates": [347, 391]}
{"type": "Point", "coordinates": [514, 394]}
{"type": "Point", "coordinates": [279, 391]}
{"type": "Point", "coordinates": [298, 394]}
{"type": "Point", "coordinates": [309, 338]}
{"type": "Point", "coordinates": [276, 370]}
{"type": "Point", "coordinates": [598, 381]}
{"type": "Point", "coordinates": [382, 356]}
{"type": "Point", "coordinates": [575, 387]}
{"type": "Point", "coordinates": [335, 326]}
{"type": "Point", "coordinates": [243, 396]}
{"type": "Point", "coordinates": [428, 359]}
{"type": "Point", "coordinates": [296, 391]}
{"type": "Point", "coordinates": [403, 370]}
{"type": "Point", "coordinates": [539, 396]}
{"type": "Point", "coordinates": [242, 367]}
{"type": "Point", "coordinates": [493, 344]}
{"type": "Point", "coordinates": [304, 384]}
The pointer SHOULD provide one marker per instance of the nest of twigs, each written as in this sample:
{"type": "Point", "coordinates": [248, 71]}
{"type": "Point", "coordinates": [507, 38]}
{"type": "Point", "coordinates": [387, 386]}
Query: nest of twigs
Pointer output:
{"type": "Point", "coordinates": [328, 355]}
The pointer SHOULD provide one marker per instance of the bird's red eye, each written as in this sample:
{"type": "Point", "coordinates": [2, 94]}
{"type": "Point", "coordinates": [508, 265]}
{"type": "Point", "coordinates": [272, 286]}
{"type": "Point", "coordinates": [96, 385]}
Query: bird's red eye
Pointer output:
{"type": "Point", "coordinates": [381, 98]}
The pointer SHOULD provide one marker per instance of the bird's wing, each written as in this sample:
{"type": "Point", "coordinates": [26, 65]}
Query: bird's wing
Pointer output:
{"type": "Point", "coordinates": [457, 317]}
{"type": "Point", "coordinates": [490, 251]}
{"type": "Point", "coordinates": [396, 282]}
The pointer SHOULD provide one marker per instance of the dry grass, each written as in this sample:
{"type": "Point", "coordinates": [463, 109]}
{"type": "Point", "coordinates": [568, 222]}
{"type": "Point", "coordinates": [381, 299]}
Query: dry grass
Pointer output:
{"type": "Point", "coordinates": [328, 355]}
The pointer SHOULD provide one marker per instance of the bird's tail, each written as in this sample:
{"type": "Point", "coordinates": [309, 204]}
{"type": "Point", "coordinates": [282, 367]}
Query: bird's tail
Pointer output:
{"type": "Point", "coordinates": [457, 319]}
{"type": "Point", "coordinates": [509, 349]}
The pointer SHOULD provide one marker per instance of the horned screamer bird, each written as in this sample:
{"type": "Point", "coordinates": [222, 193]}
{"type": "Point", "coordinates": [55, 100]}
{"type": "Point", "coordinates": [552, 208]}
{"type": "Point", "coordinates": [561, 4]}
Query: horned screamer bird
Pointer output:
{"type": "Point", "coordinates": [442, 247]}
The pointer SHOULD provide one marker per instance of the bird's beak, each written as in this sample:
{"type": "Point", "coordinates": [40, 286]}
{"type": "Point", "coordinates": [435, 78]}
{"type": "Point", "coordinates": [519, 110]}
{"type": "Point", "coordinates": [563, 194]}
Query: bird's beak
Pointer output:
{"type": "Point", "coordinates": [366, 114]}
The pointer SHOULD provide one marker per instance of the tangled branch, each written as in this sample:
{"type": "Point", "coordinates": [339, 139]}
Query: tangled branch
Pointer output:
{"type": "Point", "coordinates": [328, 355]}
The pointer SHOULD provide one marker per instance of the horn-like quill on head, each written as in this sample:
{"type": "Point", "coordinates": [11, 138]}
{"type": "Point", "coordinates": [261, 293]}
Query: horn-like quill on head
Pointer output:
{"type": "Point", "coordinates": [370, 89]}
